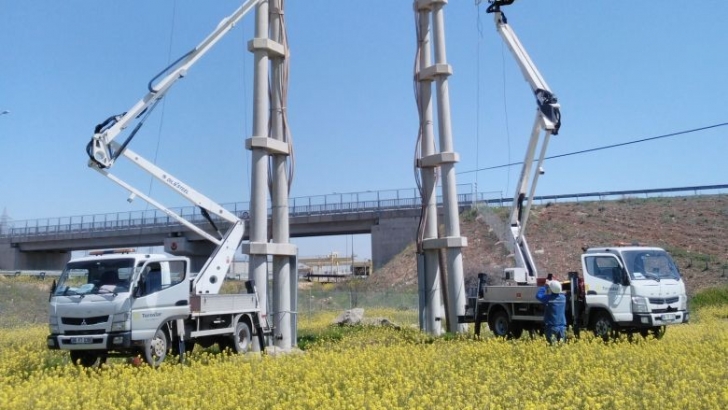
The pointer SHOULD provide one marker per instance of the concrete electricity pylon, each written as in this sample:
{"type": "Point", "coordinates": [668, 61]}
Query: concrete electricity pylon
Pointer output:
{"type": "Point", "coordinates": [431, 40]}
{"type": "Point", "coordinates": [271, 147]}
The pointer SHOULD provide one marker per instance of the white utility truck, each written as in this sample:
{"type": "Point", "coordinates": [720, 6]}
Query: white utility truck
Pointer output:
{"type": "Point", "coordinates": [123, 304]}
{"type": "Point", "coordinates": [120, 303]}
{"type": "Point", "coordinates": [629, 289]}
{"type": "Point", "coordinates": [622, 288]}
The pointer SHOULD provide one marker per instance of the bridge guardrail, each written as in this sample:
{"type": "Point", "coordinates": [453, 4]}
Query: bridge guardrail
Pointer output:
{"type": "Point", "coordinates": [369, 201]}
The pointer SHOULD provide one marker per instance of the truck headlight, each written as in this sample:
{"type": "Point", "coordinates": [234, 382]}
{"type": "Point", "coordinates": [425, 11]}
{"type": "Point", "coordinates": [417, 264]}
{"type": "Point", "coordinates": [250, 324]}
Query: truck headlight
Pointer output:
{"type": "Point", "coordinates": [639, 304]}
{"type": "Point", "coordinates": [53, 325]}
{"type": "Point", "coordinates": [120, 322]}
{"type": "Point", "coordinates": [683, 302]}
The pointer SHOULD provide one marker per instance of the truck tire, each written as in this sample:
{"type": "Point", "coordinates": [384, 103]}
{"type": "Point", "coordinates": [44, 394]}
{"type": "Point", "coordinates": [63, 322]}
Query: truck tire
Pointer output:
{"type": "Point", "coordinates": [156, 348]}
{"type": "Point", "coordinates": [86, 358]}
{"type": "Point", "coordinates": [499, 323]}
{"type": "Point", "coordinates": [242, 337]}
{"type": "Point", "coordinates": [602, 326]}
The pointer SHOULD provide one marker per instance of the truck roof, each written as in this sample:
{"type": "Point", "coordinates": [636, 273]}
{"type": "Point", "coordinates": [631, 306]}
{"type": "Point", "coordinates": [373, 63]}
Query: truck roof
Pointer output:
{"type": "Point", "coordinates": [612, 249]}
{"type": "Point", "coordinates": [136, 256]}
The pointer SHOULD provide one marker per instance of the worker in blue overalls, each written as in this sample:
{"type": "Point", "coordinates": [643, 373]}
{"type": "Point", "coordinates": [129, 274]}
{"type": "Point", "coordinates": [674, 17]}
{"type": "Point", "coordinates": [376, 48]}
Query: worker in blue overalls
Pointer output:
{"type": "Point", "coordinates": [554, 317]}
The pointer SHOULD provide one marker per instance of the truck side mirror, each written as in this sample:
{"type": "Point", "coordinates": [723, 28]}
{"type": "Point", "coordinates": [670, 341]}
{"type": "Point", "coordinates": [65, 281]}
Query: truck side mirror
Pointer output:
{"type": "Point", "coordinates": [616, 275]}
{"type": "Point", "coordinates": [139, 288]}
{"type": "Point", "coordinates": [53, 290]}
{"type": "Point", "coordinates": [620, 276]}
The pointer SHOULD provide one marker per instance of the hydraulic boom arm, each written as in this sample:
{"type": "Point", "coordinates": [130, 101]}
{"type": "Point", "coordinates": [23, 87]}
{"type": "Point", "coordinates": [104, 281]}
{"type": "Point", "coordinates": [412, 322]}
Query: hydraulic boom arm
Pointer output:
{"type": "Point", "coordinates": [103, 150]}
{"type": "Point", "coordinates": [548, 120]}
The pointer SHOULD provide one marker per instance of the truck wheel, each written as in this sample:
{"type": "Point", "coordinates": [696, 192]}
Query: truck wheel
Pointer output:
{"type": "Point", "coordinates": [242, 337]}
{"type": "Point", "coordinates": [156, 348]}
{"type": "Point", "coordinates": [603, 326]}
{"type": "Point", "coordinates": [499, 323]}
{"type": "Point", "coordinates": [225, 344]}
{"type": "Point", "coordinates": [85, 358]}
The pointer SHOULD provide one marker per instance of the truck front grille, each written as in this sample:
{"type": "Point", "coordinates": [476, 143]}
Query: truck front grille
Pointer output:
{"type": "Point", "coordinates": [84, 332]}
{"type": "Point", "coordinates": [83, 321]}
{"type": "Point", "coordinates": [661, 301]}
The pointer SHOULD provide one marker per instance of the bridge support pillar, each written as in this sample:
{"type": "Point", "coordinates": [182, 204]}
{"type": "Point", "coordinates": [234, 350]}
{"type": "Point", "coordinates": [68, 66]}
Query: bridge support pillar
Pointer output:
{"type": "Point", "coordinates": [13, 258]}
{"type": "Point", "coordinates": [390, 237]}
{"type": "Point", "coordinates": [197, 251]}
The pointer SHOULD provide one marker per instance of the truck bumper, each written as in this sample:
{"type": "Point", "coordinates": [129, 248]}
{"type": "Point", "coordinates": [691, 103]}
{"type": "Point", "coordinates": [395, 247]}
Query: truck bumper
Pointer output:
{"type": "Point", "coordinates": [660, 319]}
{"type": "Point", "coordinates": [106, 341]}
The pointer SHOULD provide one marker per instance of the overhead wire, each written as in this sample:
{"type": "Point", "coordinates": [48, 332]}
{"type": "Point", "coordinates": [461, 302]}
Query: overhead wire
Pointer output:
{"type": "Point", "coordinates": [247, 164]}
{"type": "Point", "coordinates": [479, 28]}
{"type": "Point", "coordinates": [421, 129]}
{"type": "Point", "coordinates": [418, 141]}
{"type": "Point", "coordinates": [279, 86]}
{"type": "Point", "coordinates": [161, 116]}
{"type": "Point", "coordinates": [621, 144]}
{"type": "Point", "coordinates": [505, 111]}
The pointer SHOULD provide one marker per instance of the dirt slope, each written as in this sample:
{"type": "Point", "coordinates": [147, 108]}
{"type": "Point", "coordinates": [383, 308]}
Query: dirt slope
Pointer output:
{"type": "Point", "coordinates": [694, 229]}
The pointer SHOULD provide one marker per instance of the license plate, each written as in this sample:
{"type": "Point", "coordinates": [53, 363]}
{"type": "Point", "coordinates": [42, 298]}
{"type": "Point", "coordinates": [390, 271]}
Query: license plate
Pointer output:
{"type": "Point", "coordinates": [81, 340]}
{"type": "Point", "coordinates": [668, 317]}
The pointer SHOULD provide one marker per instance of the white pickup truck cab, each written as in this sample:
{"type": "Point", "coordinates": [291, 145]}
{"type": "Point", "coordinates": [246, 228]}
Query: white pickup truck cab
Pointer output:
{"type": "Point", "coordinates": [634, 288]}
{"type": "Point", "coordinates": [127, 304]}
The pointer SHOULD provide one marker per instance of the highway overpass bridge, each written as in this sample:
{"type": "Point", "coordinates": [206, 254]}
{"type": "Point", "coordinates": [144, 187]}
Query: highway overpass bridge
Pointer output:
{"type": "Point", "coordinates": [391, 217]}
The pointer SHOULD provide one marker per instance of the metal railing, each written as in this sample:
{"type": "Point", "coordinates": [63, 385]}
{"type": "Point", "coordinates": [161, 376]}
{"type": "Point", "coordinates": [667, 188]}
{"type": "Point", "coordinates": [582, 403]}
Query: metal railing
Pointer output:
{"type": "Point", "coordinates": [336, 203]}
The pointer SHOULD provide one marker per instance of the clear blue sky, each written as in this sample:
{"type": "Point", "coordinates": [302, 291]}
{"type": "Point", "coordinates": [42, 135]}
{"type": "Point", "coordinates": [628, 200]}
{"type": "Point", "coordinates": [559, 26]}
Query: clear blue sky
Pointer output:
{"type": "Point", "coordinates": [621, 70]}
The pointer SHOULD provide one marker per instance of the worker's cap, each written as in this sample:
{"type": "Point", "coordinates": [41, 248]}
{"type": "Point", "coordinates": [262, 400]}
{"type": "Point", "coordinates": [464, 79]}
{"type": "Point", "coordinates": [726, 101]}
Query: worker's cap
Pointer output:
{"type": "Point", "coordinates": [555, 286]}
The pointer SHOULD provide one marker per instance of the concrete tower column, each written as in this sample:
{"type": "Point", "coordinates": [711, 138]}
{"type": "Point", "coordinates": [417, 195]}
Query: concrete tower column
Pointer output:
{"type": "Point", "coordinates": [452, 242]}
{"type": "Point", "coordinates": [284, 275]}
{"type": "Point", "coordinates": [259, 174]}
{"type": "Point", "coordinates": [270, 146]}
{"type": "Point", "coordinates": [428, 265]}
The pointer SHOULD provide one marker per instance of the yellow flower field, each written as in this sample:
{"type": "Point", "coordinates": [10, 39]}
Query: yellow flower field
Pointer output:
{"type": "Point", "coordinates": [386, 368]}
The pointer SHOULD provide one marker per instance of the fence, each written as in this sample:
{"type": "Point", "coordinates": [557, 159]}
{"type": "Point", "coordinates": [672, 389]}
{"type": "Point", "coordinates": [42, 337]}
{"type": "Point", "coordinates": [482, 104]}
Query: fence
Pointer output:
{"type": "Point", "coordinates": [402, 306]}
{"type": "Point", "coordinates": [335, 203]}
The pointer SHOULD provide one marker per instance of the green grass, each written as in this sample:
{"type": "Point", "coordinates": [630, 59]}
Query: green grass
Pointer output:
{"type": "Point", "coordinates": [23, 301]}
{"type": "Point", "coordinates": [710, 297]}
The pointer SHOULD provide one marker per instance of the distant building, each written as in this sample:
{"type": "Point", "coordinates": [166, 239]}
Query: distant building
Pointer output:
{"type": "Point", "coordinates": [333, 268]}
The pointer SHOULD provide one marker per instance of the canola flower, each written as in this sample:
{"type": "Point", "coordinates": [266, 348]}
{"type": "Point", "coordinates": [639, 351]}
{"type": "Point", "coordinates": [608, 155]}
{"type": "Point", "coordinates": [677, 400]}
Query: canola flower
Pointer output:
{"type": "Point", "coordinates": [387, 368]}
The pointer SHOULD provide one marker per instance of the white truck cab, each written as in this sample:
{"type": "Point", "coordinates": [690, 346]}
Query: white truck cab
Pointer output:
{"type": "Point", "coordinates": [116, 300]}
{"type": "Point", "coordinates": [639, 286]}
{"type": "Point", "coordinates": [119, 303]}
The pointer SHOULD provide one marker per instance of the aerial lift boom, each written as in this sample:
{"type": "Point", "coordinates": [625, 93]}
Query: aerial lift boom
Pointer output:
{"type": "Point", "coordinates": [548, 120]}
{"type": "Point", "coordinates": [103, 150]}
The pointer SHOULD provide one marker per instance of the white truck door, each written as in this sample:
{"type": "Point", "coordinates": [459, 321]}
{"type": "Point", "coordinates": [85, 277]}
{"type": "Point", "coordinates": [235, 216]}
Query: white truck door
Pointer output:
{"type": "Point", "coordinates": [603, 275]}
{"type": "Point", "coordinates": [161, 294]}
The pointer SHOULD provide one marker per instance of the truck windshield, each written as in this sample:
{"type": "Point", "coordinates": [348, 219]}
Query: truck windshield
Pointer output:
{"type": "Point", "coordinates": [651, 265]}
{"type": "Point", "coordinates": [95, 277]}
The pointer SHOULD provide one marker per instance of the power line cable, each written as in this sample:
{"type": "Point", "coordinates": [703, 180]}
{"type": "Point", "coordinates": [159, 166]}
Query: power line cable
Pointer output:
{"type": "Point", "coordinates": [672, 134]}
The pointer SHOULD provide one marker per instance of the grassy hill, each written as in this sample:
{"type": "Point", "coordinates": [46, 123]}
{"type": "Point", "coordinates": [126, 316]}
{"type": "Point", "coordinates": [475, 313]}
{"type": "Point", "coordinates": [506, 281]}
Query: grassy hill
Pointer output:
{"type": "Point", "coordinates": [694, 229]}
